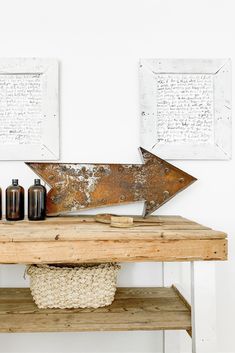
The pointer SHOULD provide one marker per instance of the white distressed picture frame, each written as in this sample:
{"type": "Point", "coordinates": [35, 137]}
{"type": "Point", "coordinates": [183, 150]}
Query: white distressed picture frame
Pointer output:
{"type": "Point", "coordinates": [48, 148]}
{"type": "Point", "coordinates": [220, 69]}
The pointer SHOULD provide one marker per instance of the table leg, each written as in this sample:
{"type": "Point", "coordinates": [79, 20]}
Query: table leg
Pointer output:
{"type": "Point", "coordinates": [163, 332]}
{"type": "Point", "coordinates": [203, 303]}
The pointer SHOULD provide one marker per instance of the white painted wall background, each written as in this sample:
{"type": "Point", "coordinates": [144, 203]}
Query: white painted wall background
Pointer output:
{"type": "Point", "coordinates": [98, 44]}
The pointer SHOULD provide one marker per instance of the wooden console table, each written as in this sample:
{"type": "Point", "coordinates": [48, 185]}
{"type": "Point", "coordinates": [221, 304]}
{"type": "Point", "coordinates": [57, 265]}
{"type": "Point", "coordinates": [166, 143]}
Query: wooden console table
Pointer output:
{"type": "Point", "coordinates": [82, 240]}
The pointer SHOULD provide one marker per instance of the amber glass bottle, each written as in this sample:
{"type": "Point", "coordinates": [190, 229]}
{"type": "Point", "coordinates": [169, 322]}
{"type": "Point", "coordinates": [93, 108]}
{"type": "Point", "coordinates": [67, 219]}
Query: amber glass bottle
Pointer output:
{"type": "Point", "coordinates": [37, 201]}
{"type": "Point", "coordinates": [15, 202]}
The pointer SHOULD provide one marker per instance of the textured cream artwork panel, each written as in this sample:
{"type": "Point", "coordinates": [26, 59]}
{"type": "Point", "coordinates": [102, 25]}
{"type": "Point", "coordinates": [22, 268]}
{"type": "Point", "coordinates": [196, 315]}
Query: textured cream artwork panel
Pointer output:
{"type": "Point", "coordinates": [29, 121]}
{"type": "Point", "coordinates": [186, 108]}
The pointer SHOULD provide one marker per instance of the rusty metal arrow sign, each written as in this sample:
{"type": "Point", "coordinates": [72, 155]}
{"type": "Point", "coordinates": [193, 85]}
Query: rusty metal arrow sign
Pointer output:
{"type": "Point", "coordinates": [80, 186]}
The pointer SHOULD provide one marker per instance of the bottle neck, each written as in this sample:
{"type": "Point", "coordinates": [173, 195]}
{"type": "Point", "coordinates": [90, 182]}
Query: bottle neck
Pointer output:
{"type": "Point", "coordinates": [37, 182]}
{"type": "Point", "coordinates": [15, 182]}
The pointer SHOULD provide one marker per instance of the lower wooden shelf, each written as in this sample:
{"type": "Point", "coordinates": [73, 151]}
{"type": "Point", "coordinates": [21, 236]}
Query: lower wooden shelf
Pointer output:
{"type": "Point", "coordinates": [133, 309]}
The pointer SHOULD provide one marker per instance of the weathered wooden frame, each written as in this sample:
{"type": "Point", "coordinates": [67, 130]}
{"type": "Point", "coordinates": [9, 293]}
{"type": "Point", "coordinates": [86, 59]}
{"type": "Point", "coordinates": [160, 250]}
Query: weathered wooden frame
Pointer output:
{"type": "Point", "coordinates": [221, 149]}
{"type": "Point", "coordinates": [49, 148]}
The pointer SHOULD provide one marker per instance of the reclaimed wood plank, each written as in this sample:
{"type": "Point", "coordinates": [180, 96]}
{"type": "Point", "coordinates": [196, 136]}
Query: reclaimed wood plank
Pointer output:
{"type": "Point", "coordinates": [48, 231]}
{"type": "Point", "coordinates": [132, 309]}
{"type": "Point", "coordinates": [164, 219]}
{"type": "Point", "coordinates": [81, 239]}
{"type": "Point", "coordinates": [105, 233]}
{"type": "Point", "coordinates": [112, 251]}
{"type": "Point", "coordinates": [68, 219]}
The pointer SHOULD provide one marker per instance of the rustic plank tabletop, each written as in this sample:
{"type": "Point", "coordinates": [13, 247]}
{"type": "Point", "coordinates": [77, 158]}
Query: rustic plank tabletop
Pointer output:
{"type": "Point", "coordinates": [82, 239]}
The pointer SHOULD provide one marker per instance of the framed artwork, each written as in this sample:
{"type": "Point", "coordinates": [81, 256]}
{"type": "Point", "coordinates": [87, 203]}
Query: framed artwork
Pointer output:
{"type": "Point", "coordinates": [186, 108]}
{"type": "Point", "coordinates": [29, 119]}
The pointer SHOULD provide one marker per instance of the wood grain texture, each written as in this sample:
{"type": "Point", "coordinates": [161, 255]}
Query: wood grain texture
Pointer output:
{"type": "Point", "coordinates": [132, 309]}
{"type": "Point", "coordinates": [82, 240]}
{"type": "Point", "coordinates": [112, 251]}
{"type": "Point", "coordinates": [85, 228]}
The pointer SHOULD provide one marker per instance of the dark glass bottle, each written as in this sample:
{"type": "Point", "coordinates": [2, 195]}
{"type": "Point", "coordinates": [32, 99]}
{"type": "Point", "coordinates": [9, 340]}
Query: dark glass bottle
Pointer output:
{"type": "Point", "coordinates": [14, 201]}
{"type": "Point", "coordinates": [37, 201]}
{"type": "Point", "coordinates": [0, 203]}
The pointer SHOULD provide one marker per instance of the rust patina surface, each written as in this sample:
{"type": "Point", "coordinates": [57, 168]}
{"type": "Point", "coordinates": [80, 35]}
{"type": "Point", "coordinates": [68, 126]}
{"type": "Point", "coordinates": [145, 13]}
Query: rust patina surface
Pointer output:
{"type": "Point", "coordinates": [76, 186]}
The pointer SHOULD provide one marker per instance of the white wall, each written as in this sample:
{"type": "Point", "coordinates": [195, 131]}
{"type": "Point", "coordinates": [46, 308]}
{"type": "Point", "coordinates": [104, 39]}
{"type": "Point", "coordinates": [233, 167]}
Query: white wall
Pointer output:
{"type": "Point", "coordinates": [98, 44]}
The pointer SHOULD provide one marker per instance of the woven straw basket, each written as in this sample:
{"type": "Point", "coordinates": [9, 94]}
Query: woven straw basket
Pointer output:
{"type": "Point", "coordinates": [84, 286]}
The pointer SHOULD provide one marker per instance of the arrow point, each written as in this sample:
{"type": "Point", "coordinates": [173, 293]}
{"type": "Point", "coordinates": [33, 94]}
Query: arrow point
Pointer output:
{"type": "Point", "coordinates": [164, 181]}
